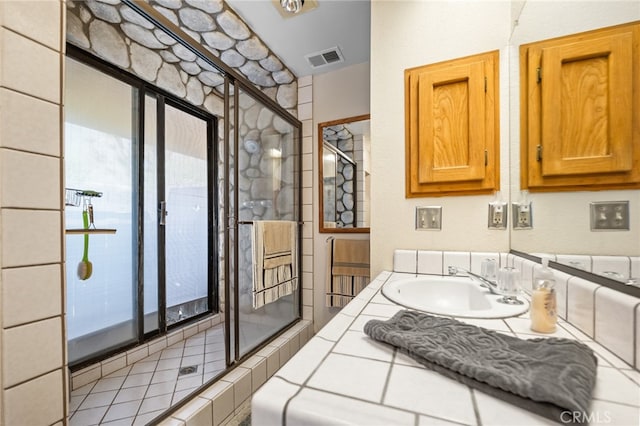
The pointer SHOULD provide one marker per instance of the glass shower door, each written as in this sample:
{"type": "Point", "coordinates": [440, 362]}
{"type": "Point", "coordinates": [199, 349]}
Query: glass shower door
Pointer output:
{"type": "Point", "coordinates": [100, 150]}
{"type": "Point", "coordinates": [185, 215]}
{"type": "Point", "coordinates": [267, 190]}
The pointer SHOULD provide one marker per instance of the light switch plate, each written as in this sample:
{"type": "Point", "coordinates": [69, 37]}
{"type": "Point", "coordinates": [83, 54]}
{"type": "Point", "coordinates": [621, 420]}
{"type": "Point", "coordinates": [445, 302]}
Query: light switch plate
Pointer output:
{"type": "Point", "coordinates": [609, 215]}
{"type": "Point", "coordinates": [429, 218]}
{"type": "Point", "coordinates": [498, 215]}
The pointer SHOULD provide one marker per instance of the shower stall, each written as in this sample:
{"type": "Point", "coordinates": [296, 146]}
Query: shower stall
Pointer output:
{"type": "Point", "coordinates": [182, 184]}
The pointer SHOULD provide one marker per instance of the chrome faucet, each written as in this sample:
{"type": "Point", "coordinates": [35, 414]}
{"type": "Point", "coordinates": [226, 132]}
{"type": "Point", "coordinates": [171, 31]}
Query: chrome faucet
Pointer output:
{"type": "Point", "coordinates": [493, 287]}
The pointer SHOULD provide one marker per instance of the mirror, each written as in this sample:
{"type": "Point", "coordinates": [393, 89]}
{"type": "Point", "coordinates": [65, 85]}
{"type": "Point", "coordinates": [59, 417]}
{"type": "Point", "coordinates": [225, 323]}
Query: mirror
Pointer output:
{"type": "Point", "coordinates": [343, 175]}
{"type": "Point", "coordinates": [561, 220]}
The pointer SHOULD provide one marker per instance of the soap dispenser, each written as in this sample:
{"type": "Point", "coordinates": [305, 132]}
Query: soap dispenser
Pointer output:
{"type": "Point", "coordinates": [543, 300]}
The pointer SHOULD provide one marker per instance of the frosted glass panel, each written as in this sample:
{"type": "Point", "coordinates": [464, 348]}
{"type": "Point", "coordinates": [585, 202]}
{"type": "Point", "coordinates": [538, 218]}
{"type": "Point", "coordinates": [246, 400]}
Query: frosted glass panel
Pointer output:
{"type": "Point", "coordinates": [187, 220]}
{"type": "Point", "coordinates": [99, 156]}
{"type": "Point", "coordinates": [267, 176]}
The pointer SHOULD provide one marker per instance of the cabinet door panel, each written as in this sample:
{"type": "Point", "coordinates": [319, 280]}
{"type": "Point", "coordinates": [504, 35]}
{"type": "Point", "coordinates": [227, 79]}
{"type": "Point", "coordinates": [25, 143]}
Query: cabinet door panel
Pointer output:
{"type": "Point", "coordinates": [452, 127]}
{"type": "Point", "coordinates": [586, 107]}
{"type": "Point", "coordinates": [451, 131]}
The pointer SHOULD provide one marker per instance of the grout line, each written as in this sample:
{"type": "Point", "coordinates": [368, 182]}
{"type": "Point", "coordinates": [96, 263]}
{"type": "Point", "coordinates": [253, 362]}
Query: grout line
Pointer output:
{"type": "Point", "coordinates": [32, 96]}
{"type": "Point", "coordinates": [388, 378]}
{"type": "Point", "coordinates": [149, 384]}
{"type": "Point", "coordinates": [474, 402]}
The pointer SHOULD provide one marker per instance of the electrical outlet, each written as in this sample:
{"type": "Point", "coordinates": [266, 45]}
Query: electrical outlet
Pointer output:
{"type": "Point", "coordinates": [497, 215]}
{"type": "Point", "coordinates": [429, 218]}
{"type": "Point", "coordinates": [522, 216]}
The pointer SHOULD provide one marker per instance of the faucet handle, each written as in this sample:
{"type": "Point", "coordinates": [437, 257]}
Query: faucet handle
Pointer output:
{"type": "Point", "coordinates": [453, 270]}
{"type": "Point", "coordinates": [489, 269]}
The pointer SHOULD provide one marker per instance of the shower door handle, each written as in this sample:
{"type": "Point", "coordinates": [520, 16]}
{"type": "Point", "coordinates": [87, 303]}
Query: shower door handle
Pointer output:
{"type": "Point", "coordinates": [163, 213]}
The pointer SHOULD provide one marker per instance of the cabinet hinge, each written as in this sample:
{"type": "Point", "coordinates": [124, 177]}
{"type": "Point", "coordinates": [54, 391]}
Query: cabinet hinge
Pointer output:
{"type": "Point", "coordinates": [485, 85]}
{"type": "Point", "coordinates": [539, 153]}
{"type": "Point", "coordinates": [538, 75]}
{"type": "Point", "coordinates": [486, 157]}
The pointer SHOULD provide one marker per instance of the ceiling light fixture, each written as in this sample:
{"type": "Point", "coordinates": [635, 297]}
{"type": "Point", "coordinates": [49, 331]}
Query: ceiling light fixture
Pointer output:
{"type": "Point", "coordinates": [292, 6]}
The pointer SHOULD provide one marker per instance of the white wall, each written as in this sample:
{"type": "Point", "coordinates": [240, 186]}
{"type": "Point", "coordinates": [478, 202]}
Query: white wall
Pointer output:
{"type": "Point", "coordinates": [561, 219]}
{"type": "Point", "coordinates": [336, 95]}
{"type": "Point", "coordinates": [407, 34]}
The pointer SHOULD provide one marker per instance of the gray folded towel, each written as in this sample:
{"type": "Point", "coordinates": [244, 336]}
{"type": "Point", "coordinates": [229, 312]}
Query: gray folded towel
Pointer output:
{"type": "Point", "coordinates": [548, 376]}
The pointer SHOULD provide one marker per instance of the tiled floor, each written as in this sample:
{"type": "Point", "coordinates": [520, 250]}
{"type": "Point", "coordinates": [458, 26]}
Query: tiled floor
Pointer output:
{"type": "Point", "coordinates": [136, 394]}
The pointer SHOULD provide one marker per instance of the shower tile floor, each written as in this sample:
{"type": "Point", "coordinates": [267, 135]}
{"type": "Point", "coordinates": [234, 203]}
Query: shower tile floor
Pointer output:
{"type": "Point", "coordinates": [136, 394]}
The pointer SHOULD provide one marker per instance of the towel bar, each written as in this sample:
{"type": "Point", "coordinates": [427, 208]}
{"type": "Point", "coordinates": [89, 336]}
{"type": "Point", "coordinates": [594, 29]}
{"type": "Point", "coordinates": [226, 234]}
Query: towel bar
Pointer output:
{"type": "Point", "coordinates": [250, 222]}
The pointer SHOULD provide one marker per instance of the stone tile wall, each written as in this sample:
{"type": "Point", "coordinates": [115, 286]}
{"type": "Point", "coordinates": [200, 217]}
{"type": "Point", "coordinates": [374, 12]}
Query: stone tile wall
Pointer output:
{"type": "Point", "coordinates": [115, 32]}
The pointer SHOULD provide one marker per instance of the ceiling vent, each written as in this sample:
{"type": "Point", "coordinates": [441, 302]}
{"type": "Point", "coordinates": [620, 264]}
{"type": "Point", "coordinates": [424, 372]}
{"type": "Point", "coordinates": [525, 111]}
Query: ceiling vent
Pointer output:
{"type": "Point", "coordinates": [325, 57]}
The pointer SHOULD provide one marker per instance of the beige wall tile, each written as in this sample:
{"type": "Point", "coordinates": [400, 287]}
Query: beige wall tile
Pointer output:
{"type": "Point", "coordinates": [307, 164]}
{"type": "Point", "coordinates": [223, 404]}
{"type": "Point", "coordinates": [307, 195]}
{"type": "Point", "coordinates": [305, 111]}
{"type": "Point", "coordinates": [197, 412]}
{"type": "Point", "coordinates": [405, 261]}
{"type": "Point", "coordinates": [307, 212]}
{"type": "Point", "coordinates": [305, 94]}
{"type": "Point", "coordinates": [204, 325]}
{"type": "Point", "coordinates": [562, 280]}
{"type": "Point", "coordinates": [85, 376]}
{"type": "Point", "coordinates": [175, 337]}
{"type": "Point", "coordinates": [307, 230]}
{"type": "Point", "coordinates": [39, 20]}
{"type": "Point", "coordinates": [614, 322]}
{"type": "Point", "coordinates": [113, 364]}
{"type": "Point", "coordinates": [241, 379]}
{"type": "Point", "coordinates": [29, 67]}
{"type": "Point", "coordinates": [273, 359]}
{"type": "Point", "coordinates": [305, 81]}
{"type": "Point", "coordinates": [307, 263]}
{"type": "Point", "coordinates": [30, 180]}
{"type": "Point", "coordinates": [242, 386]}
{"type": "Point", "coordinates": [137, 354]}
{"type": "Point", "coordinates": [307, 128]}
{"type": "Point", "coordinates": [285, 353]}
{"type": "Point", "coordinates": [307, 313]}
{"type": "Point", "coordinates": [31, 294]}
{"type": "Point", "coordinates": [307, 148]}
{"type": "Point", "coordinates": [307, 280]}
{"type": "Point", "coordinates": [307, 297]}
{"type": "Point", "coordinates": [30, 237]}
{"type": "Point", "coordinates": [191, 330]}
{"type": "Point", "coordinates": [37, 402]}
{"type": "Point", "coordinates": [31, 350]}
{"type": "Point", "coordinates": [157, 345]}
{"type": "Point", "coordinates": [580, 304]}
{"type": "Point", "coordinates": [20, 129]}
{"type": "Point", "coordinates": [429, 262]}
{"type": "Point", "coordinates": [307, 179]}
{"type": "Point", "coordinates": [258, 373]}
{"type": "Point", "coordinates": [637, 339]}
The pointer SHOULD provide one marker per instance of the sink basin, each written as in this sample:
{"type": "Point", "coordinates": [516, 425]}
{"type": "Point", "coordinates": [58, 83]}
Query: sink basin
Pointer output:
{"type": "Point", "coordinates": [450, 296]}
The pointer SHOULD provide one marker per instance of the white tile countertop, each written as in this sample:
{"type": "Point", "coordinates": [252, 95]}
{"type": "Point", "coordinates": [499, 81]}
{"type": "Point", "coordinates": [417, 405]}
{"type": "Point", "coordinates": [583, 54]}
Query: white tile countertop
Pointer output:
{"type": "Point", "coordinates": [341, 376]}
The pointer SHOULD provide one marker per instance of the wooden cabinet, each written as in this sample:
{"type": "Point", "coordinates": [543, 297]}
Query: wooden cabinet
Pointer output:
{"type": "Point", "coordinates": [451, 127]}
{"type": "Point", "coordinates": [579, 105]}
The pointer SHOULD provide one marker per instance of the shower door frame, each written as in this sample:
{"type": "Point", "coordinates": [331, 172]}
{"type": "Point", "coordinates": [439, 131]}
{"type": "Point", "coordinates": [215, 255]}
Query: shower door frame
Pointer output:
{"type": "Point", "coordinates": [141, 90]}
{"type": "Point", "coordinates": [229, 222]}
{"type": "Point", "coordinates": [212, 202]}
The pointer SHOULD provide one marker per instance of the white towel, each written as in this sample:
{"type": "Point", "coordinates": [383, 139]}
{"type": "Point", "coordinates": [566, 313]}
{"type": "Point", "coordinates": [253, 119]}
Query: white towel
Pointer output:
{"type": "Point", "coordinates": [274, 260]}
